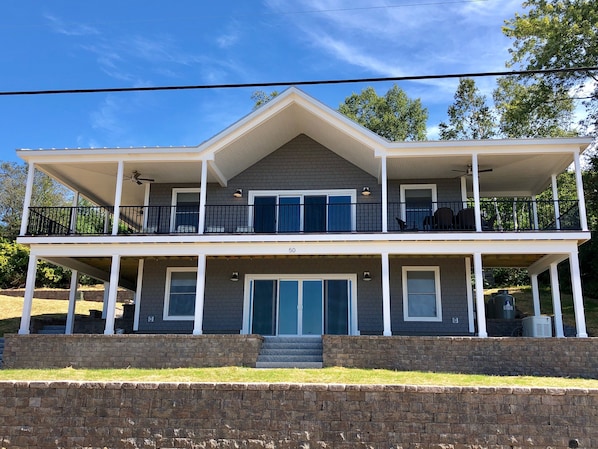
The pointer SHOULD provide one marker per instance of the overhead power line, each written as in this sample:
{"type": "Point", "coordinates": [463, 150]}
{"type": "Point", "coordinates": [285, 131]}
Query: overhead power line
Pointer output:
{"type": "Point", "coordinates": [299, 83]}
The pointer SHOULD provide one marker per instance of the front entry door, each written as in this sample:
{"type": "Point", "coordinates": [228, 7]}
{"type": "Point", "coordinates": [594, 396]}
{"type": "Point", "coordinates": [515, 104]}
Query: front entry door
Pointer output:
{"type": "Point", "coordinates": [300, 306]}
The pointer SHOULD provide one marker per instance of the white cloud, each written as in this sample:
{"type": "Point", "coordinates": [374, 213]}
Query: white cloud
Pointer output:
{"type": "Point", "coordinates": [70, 29]}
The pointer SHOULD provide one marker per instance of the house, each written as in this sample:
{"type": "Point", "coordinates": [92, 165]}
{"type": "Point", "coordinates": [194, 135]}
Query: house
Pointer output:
{"type": "Point", "coordinates": [297, 221]}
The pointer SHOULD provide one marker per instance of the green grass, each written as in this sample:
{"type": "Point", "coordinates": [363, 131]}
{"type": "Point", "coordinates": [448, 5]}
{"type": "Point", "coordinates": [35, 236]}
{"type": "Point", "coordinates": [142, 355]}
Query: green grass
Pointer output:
{"type": "Point", "coordinates": [320, 376]}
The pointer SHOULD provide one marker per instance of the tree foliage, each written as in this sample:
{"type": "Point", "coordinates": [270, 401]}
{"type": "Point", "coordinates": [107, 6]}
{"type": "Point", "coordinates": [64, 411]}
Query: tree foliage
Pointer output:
{"type": "Point", "coordinates": [13, 180]}
{"type": "Point", "coordinates": [393, 116]}
{"type": "Point", "coordinates": [261, 98]}
{"type": "Point", "coordinates": [469, 116]}
{"type": "Point", "coordinates": [554, 34]}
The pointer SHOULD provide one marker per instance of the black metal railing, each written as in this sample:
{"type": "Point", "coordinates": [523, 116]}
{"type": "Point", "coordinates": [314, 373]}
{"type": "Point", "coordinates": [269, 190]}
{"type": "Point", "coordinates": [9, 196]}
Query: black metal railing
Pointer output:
{"type": "Point", "coordinates": [496, 215]}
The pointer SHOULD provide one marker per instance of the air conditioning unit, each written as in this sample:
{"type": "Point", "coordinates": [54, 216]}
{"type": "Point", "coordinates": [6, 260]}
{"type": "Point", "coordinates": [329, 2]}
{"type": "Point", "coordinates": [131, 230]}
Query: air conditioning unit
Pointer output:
{"type": "Point", "coordinates": [537, 326]}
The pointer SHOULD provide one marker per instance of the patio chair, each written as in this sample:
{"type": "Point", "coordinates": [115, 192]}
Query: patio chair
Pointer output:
{"type": "Point", "coordinates": [401, 223]}
{"type": "Point", "coordinates": [444, 218]}
{"type": "Point", "coordinates": [465, 220]}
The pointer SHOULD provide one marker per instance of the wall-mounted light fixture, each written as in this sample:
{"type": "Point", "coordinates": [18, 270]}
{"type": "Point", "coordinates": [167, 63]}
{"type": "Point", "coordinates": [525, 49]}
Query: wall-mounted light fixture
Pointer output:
{"type": "Point", "coordinates": [367, 276]}
{"type": "Point", "coordinates": [234, 276]}
{"type": "Point", "coordinates": [238, 193]}
{"type": "Point", "coordinates": [366, 191]}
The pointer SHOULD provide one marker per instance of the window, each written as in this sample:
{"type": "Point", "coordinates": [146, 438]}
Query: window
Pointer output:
{"type": "Point", "coordinates": [418, 203]}
{"type": "Point", "coordinates": [421, 294]}
{"type": "Point", "coordinates": [310, 211]}
{"type": "Point", "coordinates": [185, 210]}
{"type": "Point", "coordinates": [179, 301]}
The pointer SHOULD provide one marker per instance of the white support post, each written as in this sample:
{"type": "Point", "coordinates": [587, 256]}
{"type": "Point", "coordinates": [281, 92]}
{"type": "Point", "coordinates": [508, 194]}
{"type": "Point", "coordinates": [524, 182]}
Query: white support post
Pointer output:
{"type": "Point", "coordinates": [113, 291]}
{"type": "Point", "coordinates": [202, 197]}
{"type": "Point", "coordinates": [29, 291]}
{"type": "Point", "coordinates": [515, 221]}
{"type": "Point", "coordinates": [464, 191]}
{"type": "Point", "coordinates": [28, 195]}
{"type": "Point", "coordinates": [469, 293]}
{"type": "Point", "coordinates": [138, 293]}
{"type": "Point", "coordinates": [535, 212]}
{"type": "Point", "coordinates": [74, 211]}
{"type": "Point", "coordinates": [199, 294]}
{"type": "Point", "coordinates": [556, 301]}
{"type": "Point", "coordinates": [70, 315]}
{"type": "Point", "coordinates": [118, 196]}
{"type": "Point", "coordinates": [384, 196]}
{"type": "Point", "coordinates": [386, 295]}
{"type": "Point", "coordinates": [476, 192]}
{"type": "Point", "coordinates": [479, 295]}
{"type": "Point", "coordinates": [146, 209]}
{"type": "Point", "coordinates": [580, 317]}
{"type": "Point", "coordinates": [555, 201]}
{"type": "Point", "coordinates": [105, 302]}
{"type": "Point", "coordinates": [535, 294]}
{"type": "Point", "coordinates": [583, 219]}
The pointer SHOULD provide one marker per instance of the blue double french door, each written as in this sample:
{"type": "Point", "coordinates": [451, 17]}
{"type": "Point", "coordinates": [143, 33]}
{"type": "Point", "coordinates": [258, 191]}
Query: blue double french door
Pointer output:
{"type": "Point", "coordinates": [306, 213]}
{"type": "Point", "coordinates": [300, 307]}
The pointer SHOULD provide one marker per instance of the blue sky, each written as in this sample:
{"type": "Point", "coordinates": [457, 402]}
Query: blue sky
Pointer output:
{"type": "Point", "coordinates": [66, 44]}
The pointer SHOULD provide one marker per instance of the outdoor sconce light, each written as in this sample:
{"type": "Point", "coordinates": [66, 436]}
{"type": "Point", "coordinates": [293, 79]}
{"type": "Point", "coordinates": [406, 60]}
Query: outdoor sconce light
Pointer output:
{"type": "Point", "coordinates": [234, 276]}
{"type": "Point", "coordinates": [367, 276]}
{"type": "Point", "coordinates": [238, 193]}
{"type": "Point", "coordinates": [366, 191]}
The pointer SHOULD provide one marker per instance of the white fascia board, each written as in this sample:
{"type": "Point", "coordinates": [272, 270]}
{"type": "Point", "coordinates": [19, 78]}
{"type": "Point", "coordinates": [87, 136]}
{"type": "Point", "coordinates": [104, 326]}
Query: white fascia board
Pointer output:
{"type": "Point", "coordinates": [346, 248]}
{"type": "Point", "coordinates": [544, 263]}
{"type": "Point", "coordinates": [122, 154]}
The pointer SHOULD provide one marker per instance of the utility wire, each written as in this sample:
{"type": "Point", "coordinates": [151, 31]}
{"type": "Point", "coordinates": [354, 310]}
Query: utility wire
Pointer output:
{"type": "Point", "coordinates": [299, 83]}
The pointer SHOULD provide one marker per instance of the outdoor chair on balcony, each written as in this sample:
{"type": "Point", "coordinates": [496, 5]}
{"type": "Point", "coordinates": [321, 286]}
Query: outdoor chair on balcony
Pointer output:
{"type": "Point", "coordinates": [444, 218]}
{"type": "Point", "coordinates": [465, 220]}
{"type": "Point", "coordinates": [401, 223]}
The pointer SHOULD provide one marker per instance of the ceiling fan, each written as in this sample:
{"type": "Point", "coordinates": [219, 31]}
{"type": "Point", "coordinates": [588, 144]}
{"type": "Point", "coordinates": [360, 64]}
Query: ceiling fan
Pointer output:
{"type": "Point", "coordinates": [469, 171]}
{"type": "Point", "coordinates": [138, 179]}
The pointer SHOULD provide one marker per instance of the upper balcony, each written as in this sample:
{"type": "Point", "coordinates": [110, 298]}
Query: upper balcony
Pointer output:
{"type": "Point", "coordinates": [496, 215]}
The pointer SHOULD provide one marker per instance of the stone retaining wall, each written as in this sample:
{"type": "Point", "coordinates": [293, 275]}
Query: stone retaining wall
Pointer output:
{"type": "Point", "coordinates": [123, 351]}
{"type": "Point", "coordinates": [200, 415]}
{"type": "Point", "coordinates": [560, 357]}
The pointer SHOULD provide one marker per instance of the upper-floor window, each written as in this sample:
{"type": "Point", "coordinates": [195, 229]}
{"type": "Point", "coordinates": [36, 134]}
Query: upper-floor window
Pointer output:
{"type": "Point", "coordinates": [185, 210]}
{"type": "Point", "coordinates": [418, 203]}
{"type": "Point", "coordinates": [421, 294]}
{"type": "Point", "coordinates": [305, 211]}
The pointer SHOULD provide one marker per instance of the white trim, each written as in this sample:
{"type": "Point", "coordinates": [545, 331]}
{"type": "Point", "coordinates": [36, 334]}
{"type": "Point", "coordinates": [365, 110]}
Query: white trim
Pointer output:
{"type": "Point", "coordinates": [252, 194]}
{"type": "Point", "coordinates": [173, 202]}
{"type": "Point", "coordinates": [469, 294]}
{"type": "Point", "coordinates": [248, 304]}
{"type": "Point", "coordinates": [433, 189]}
{"type": "Point", "coordinates": [28, 195]}
{"type": "Point", "coordinates": [138, 290]}
{"type": "Point", "coordinates": [169, 271]}
{"type": "Point", "coordinates": [405, 272]}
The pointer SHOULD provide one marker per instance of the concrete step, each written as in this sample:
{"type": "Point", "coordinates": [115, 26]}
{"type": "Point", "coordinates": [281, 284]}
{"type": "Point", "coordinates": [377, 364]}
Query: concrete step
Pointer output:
{"type": "Point", "coordinates": [290, 352]}
{"type": "Point", "coordinates": [299, 365]}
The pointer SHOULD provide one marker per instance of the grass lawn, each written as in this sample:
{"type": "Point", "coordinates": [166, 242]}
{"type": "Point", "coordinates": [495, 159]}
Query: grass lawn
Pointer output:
{"type": "Point", "coordinates": [10, 312]}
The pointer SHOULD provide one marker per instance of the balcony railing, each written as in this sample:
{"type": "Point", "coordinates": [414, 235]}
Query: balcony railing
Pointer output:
{"type": "Point", "coordinates": [456, 216]}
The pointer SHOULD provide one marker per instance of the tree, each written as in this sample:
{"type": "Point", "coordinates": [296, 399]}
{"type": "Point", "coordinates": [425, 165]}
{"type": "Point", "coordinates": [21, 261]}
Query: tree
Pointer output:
{"type": "Point", "coordinates": [261, 98]}
{"type": "Point", "coordinates": [393, 116]}
{"type": "Point", "coordinates": [469, 116]}
{"type": "Point", "coordinates": [532, 108]}
{"type": "Point", "coordinates": [555, 34]}
{"type": "Point", "coordinates": [13, 179]}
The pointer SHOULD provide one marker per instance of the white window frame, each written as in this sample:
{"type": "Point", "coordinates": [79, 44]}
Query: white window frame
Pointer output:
{"type": "Point", "coordinates": [405, 187]}
{"type": "Point", "coordinates": [405, 273]}
{"type": "Point", "coordinates": [249, 278]}
{"type": "Point", "coordinates": [169, 271]}
{"type": "Point", "coordinates": [301, 194]}
{"type": "Point", "coordinates": [173, 203]}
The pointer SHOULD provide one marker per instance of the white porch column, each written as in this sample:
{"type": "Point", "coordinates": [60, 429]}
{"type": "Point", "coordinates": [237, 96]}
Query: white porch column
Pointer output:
{"type": "Point", "coordinates": [535, 294]}
{"type": "Point", "coordinates": [27, 202]}
{"type": "Point", "coordinates": [199, 294]}
{"type": "Point", "coordinates": [535, 212]}
{"type": "Point", "coordinates": [138, 294]}
{"type": "Point", "coordinates": [202, 197]}
{"type": "Point", "coordinates": [111, 309]}
{"type": "Point", "coordinates": [74, 211]}
{"type": "Point", "coordinates": [476, 193]}
{"type": "Point", "coordinates": [386, 295]}
{"type": "Point", "coordinates": [580, 317]}
{"type": "Point", "coordinates": [583, 219]}
{"type": "Point", "coordinates": [105, 302]}
{"type": "Point", "coordinates": [118, 196]}
{"type": "Point", "coordinates": [556, 301]}
{"type": "Point", "coordinates": [384, 196]}
{"type": "Point", "coordinates": [464, 191]}
{"type": "Point", "coordinates": [70, 315]}
{"type": "Point", "coordinates": [479, 295]}
{"type": "Point", "coordinates": [29, 290]}
{"type": "Point", "coordinates": [146, 209]}
{"type": "Point", "coordinates": [469, 293]}
{"type": "Point", "coordinates": [555, 201]}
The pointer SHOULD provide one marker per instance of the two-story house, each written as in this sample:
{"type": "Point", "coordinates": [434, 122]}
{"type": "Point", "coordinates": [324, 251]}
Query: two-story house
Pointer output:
{"type": "Point", "coordinates": [297, 221]}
